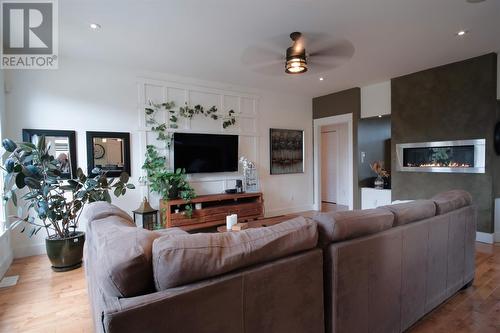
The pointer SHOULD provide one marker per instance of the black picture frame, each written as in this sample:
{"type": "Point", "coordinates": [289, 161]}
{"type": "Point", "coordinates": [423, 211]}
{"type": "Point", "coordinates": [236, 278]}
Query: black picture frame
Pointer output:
{"type": "Point", "coordinates": [124, 136]}
{"type": "Point", "coordinates": [28, 134]}
{"type": "Point", "coordinates": [286, 151]}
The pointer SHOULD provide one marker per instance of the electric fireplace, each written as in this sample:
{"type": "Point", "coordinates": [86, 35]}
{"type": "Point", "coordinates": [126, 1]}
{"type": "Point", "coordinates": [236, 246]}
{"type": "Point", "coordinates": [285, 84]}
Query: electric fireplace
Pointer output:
{"type": "Point", "coordinates": [461, 156]}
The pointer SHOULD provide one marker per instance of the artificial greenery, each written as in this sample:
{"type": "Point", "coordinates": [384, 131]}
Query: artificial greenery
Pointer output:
{"type": "Point", "coordinates": [172, 184]}
{"type": "Point", "coordinates": [187, 112]}
{"type": "Point", "coordinates": [167, 183]}
{"type": "Point", "coordinates": [31, 170]}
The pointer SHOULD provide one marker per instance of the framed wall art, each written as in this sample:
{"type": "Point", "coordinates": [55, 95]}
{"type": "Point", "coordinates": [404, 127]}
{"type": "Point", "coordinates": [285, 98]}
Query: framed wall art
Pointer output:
{"type": "Point", "coordinates": [287, 151]}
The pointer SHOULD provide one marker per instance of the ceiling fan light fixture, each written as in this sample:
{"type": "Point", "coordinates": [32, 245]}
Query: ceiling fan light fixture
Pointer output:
{"type": "Point", "coordinates": [296, 63]}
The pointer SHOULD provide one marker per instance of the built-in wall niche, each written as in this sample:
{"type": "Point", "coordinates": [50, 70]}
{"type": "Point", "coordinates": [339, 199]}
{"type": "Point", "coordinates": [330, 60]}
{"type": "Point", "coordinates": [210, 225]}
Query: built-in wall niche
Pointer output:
{"type": "Point", "coordinates": [246, 110]}
{"type": "Point", "coordinates": [374, 144]}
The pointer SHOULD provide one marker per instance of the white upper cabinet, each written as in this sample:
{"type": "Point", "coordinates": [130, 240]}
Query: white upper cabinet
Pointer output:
{"type": "Point", "coordinates": [376, 99]}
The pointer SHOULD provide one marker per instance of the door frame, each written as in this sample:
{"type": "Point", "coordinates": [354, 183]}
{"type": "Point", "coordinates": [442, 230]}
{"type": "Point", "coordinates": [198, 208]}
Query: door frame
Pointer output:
{"type": "Point", "coordinates": [317, 124]}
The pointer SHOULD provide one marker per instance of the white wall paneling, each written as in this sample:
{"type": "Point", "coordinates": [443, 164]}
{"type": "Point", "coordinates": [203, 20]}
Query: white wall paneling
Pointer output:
{"type": "Point", "coordinates": [244, 105]}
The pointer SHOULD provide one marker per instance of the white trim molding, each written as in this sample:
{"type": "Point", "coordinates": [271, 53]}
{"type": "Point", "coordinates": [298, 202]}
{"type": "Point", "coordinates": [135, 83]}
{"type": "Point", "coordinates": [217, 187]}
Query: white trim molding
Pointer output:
{"type": "Point", "coordinates": [288, 210]}
{"type": "Point", "coordinates": [317, 124]}
{"type": "Point", "coordinates": [30, 250]}
{"type": "Point", "coordinates": [6, 256]}
{"type": "Point", "coordinates": [484, 237]}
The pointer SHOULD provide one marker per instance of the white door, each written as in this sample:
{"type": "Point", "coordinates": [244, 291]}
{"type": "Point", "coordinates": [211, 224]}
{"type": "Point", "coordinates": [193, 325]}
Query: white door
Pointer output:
{"type": "Point", "coordinates": [330, 166]}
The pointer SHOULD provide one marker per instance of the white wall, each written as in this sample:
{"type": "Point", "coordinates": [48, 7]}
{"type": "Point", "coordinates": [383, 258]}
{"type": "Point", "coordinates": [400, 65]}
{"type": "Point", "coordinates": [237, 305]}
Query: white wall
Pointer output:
{"type": "Point", "coordinates": [85, 96]}
{"type": "Point", "coordinates": [5, 246]}
{"type": "Point", "coordinates": [376, 99]}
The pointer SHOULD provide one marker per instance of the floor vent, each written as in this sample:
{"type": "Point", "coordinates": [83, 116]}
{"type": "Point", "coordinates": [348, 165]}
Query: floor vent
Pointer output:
{"type": "Point", "coordinates": [9, 281]}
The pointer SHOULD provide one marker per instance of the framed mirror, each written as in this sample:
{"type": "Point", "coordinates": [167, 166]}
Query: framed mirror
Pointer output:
{"type": "Point", "coordinates": [109, 151]}
{"type": "Point", "coordinates": [62, 147]}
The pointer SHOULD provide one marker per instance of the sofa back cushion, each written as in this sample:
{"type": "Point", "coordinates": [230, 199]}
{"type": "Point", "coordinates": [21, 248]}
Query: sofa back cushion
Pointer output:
{"type": "Point", "coordinates": [339, 226]}
{"type": "Point", "coordinates": [412, 211]}
{"type": "Point", "coordinates": [451, 200]}
{"type": "Point", "coordinates": [120, 252]}
{"type": "Point", "coordinates": [182, 259]}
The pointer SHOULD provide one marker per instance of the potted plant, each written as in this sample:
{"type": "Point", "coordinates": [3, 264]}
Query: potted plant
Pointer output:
{"type": "Point", "coordinates": [169, 184]}
{"type": "Point", "coordinates": [52, 204]}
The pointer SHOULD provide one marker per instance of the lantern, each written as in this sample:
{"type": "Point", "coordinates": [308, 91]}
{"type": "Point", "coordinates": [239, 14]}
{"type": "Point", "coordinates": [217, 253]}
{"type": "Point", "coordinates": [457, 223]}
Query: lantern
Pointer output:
{"type": "Point", "coordinates": [146, 216]}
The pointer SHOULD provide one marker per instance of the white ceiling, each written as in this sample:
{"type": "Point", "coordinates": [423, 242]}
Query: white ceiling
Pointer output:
{"type": "Point", "coordinates": [207, 39]}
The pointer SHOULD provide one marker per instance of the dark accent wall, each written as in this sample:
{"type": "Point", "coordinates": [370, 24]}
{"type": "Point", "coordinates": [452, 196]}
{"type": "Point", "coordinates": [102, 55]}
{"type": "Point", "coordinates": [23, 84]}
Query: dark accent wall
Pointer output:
{"type": "Point", "coordinates": [374, 139]}
{"type": "Point", "coordinates": [451, 102]}
{"type": "Point", "coordinates": [343, 102]}
{"type": "Point", "coordinates": [496, 160]}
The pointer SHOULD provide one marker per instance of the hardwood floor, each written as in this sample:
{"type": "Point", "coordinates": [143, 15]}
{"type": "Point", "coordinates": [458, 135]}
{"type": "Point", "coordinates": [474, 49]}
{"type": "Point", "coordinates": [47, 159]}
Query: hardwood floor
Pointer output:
{"type": "Point", "coordinates": [44, 301]}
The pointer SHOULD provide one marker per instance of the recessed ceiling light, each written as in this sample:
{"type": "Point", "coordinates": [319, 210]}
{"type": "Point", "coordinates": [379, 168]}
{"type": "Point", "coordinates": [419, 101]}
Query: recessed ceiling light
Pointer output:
{"type": "Point", "coordinates": [95, 26]}
{"type": "Point", "coordinates": [462, 33]}
{"type": "Point", "coordinates": [321, 79]}
{"type": "Point", "coordinates": [380, 116]}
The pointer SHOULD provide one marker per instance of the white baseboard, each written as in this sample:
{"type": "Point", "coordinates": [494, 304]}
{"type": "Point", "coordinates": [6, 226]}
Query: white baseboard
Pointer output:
{"type": "Point", "coordinates": [5, 264]}
{"type": "Point", "coordinates": [29, 250]}
{"type": "Point", "coordinates": [485, 237]}
{"type": "Point", "coordinates": [497, 237]}
{"type": "Point", "coordinates": [289, 210]}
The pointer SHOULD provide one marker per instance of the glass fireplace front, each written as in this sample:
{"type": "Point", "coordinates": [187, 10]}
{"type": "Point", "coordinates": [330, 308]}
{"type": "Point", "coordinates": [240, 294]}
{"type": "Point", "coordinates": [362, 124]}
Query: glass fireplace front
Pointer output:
{"type": "Point", "coordinates": [466, 156]}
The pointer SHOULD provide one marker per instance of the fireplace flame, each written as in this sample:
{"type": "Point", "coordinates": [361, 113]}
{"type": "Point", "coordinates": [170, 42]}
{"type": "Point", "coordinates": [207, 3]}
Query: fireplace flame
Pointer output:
{"type": "Point", "coordinates": [441, 165]}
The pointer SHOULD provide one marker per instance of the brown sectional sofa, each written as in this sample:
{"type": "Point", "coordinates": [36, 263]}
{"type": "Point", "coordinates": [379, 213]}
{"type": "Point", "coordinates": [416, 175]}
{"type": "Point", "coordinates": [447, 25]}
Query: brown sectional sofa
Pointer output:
{"type": "Point", "coordinates": [377, 270]}
{"type": "Point", "coordinates": [390, 277]}
{"type": "Point", "coordinates": [259, 280]}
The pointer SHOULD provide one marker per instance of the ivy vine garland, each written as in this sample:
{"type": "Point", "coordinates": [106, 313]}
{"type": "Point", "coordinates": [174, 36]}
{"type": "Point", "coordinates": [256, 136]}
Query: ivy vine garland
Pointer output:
{"type": "Point", "coordinates": [185, 111]}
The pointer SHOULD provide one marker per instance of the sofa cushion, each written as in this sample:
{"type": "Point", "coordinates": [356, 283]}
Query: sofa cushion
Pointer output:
{"type": "Point", "coordinates": [122, 250]}
{"type": "Point", "coordinates": [182, 259]}
{"type": "Point", "coordinates": [412, 211]}
{"type": "Point", "coordinates": [451, 200]}
{"type": "Point", "coordinates": [339, 226]}
{"type": "Point", "coordinates": [101, 209]}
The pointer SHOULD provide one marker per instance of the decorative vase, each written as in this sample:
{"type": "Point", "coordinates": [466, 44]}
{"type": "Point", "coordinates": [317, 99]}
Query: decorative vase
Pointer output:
{"type": "Point", "coordinates": [65, 254]}
{"type": "Point", "coordinates": [379, 183]}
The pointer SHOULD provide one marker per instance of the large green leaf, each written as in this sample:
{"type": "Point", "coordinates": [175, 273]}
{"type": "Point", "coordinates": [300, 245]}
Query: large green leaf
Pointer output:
{"type": "Point", "coordinates": [124, 177]}
{"type": "Point", "coordinates": [9, 145]}
{"type": "Point", "coordinates": [32, 183]}
{"type": "Point", "coordinates": [41, 145]}
{"type": "Point", "coordinates": [20, 183]}
{"type": "Point", "coordinates": [13, 197]}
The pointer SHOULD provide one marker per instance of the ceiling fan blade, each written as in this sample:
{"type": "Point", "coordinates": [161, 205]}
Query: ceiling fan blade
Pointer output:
{"type": "Point", "coordinates": [277, 69]}
{"type": "Point", "coordinates": [341, 50]}
{"type": "Point", "coordinates": [316, 68]}
{"type": "Point", "coordinates": [257, 55]}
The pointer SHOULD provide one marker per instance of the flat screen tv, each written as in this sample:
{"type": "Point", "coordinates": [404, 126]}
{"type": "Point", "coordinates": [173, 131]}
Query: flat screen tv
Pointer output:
{"type": "Point", "coordinates": [199, 153]}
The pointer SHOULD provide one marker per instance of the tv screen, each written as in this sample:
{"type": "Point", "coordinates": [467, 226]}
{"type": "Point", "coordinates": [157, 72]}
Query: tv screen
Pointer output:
{"type": "Point", "coordinates": [205, 152]}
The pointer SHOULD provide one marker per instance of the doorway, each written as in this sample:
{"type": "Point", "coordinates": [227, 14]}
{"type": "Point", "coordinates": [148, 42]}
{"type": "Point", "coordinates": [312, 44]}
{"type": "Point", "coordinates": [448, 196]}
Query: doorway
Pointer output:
{"type": "Point", "coordinates": [333, 163]}
{"type": "Point", "coordinates": [334, 173]}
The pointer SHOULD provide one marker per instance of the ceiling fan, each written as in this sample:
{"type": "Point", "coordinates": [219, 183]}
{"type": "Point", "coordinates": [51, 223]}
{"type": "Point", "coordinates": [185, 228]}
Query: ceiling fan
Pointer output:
{"type": "Point", "coordinates": [308, 52]}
